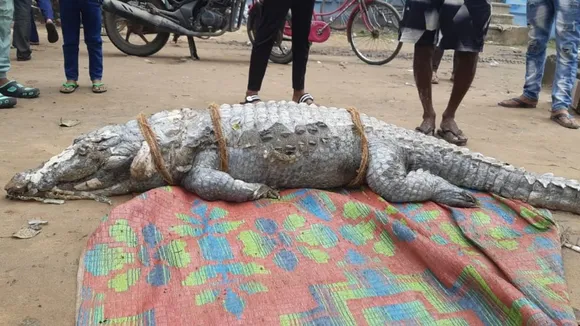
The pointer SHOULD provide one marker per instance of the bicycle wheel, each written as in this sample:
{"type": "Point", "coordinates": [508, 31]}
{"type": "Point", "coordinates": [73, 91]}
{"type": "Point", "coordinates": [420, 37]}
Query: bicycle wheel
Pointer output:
{"type": "Point", "coordinates": [380, 25]}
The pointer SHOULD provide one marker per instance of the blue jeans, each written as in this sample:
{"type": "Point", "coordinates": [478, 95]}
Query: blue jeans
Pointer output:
{"type": "Point", "coordinates": [541, 15]}
{"type": "Point", "coordinates": [6, 16]}
{"type": "Point", "coordinates": [46, 9]}
{"type": "Point", "coordinates": [70, 16]}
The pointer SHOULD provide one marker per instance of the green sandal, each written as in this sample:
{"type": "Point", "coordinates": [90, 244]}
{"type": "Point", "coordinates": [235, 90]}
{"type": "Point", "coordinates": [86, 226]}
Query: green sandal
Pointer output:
{"type": "Point", "coordinates": [14, 89]}
{"type": "Point", "coordinates": [68, 88]}
{"type": "Point", "coordinates": [99, 88]}
{"type": "Point", "coordinates": [7, 102]}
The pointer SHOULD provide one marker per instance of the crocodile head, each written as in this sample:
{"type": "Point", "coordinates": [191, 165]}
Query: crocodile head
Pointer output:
{"type": "Point", "coordinates": [95, 162]}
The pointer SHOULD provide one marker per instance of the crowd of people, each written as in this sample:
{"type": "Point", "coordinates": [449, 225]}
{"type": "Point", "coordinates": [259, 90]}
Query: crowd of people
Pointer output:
{"type": "Point", "coordinates": [433, 26]}
{"type": "Point", "coordinates": [23, 34]}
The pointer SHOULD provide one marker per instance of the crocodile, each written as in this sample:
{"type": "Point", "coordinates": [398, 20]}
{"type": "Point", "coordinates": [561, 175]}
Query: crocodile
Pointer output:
{"type": "Point", "coordinates": [277, 145]}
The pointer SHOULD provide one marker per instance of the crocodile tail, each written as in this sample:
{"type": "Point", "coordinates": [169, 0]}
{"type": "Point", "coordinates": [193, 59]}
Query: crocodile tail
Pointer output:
{"type": "Point", "coordinates": [475, 171]}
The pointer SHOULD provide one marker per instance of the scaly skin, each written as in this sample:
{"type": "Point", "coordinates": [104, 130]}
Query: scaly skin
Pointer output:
{"type": "Point", "coordinates": [284, 145]}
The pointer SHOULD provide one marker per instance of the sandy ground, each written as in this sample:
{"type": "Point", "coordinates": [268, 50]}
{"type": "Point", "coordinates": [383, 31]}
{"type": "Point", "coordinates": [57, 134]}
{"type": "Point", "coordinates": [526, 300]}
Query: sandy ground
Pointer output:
{"type": "Point", "coordinates": [38, 276]}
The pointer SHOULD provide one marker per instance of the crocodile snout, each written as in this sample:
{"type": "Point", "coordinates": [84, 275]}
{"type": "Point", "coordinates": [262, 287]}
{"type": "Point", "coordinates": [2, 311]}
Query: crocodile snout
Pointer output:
{"type": "Point", "coordinates": [17, 186]}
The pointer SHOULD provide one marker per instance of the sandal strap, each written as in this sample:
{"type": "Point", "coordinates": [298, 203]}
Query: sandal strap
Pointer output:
{"type": "Point", "coordinates": [305, 98]}
{"type": "Point", "coordinates": [252, 98]}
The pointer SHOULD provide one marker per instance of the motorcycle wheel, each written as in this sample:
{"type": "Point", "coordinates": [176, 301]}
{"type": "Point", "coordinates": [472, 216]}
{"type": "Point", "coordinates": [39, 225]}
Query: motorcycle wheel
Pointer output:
{"type": "Point", "coordinates": [122, 43]}
{"type": "Point", "coordinates": [252, 26]}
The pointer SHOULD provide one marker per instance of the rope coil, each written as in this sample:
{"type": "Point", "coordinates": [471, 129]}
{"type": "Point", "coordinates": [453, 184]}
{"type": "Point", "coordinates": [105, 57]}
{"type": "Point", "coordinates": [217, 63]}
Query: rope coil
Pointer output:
{"type": "Point", "coordinates": [151, 140]}
{"type": "Point", "coordinates": [362, 170]}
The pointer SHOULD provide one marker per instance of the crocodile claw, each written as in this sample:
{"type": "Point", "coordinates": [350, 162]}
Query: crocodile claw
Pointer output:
{"type": "Point", "coordinates": [461, 199]}
{"type": "Point", "coordinates": [266, 192]}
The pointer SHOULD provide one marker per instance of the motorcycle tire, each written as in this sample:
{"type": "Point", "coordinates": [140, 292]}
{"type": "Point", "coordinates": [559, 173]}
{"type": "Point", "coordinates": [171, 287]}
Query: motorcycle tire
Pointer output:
{"type": "Point", "coordinates": [119, 42]}
{"type": "Point", "coordinates": [252, 25]}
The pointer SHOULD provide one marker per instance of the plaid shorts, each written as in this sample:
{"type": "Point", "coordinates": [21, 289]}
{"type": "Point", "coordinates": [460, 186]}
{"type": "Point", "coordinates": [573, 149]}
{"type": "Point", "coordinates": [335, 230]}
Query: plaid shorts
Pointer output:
{"type": "Point", "coordinates": [462, 24]}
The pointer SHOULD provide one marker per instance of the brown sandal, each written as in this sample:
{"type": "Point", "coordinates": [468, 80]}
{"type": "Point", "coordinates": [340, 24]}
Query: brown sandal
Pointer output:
{"type": "Point", "coordinates": [429, 132]}
{"type": "Point", "coordinates": [517, 103]}
{"type": "Point", "coordinates": [457, 138]}
{"type": "Point", "coordinates": [564, 119]}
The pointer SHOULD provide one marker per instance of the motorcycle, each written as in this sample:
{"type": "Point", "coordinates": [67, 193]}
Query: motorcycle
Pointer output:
{"type": "Point", "coordinates": [191, 18]}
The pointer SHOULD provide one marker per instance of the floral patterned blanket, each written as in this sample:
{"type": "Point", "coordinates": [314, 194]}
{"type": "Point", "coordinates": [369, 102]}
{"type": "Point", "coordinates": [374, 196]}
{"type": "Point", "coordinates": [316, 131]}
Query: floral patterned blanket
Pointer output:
{"type": "Point", "coordinates": [321, 258]}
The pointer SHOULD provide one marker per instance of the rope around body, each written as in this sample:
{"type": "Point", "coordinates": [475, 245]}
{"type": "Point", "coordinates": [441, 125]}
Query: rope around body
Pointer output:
{"type": "Point", "coordinates": [151, 140]}
{"type": "Point", "coordinates": [364, 159]}
{"type": "Point", "coordinates": [217, 127]}
{"type": "Point", "coordinates": [159, 162]}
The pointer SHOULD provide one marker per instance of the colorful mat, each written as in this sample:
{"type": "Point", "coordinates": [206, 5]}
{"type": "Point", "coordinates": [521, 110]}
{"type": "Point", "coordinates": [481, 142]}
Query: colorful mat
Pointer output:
{"type": "Point", "coordinates": [321, 258]}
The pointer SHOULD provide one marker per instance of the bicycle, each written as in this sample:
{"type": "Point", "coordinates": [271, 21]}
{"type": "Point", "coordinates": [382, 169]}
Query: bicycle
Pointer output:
{"type": "Point", "coordinates": [320, 30]}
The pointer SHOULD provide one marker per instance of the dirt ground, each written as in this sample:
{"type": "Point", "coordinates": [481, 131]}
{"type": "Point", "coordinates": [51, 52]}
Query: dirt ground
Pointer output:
{"type": "Point", "coordinates": [38, 275]}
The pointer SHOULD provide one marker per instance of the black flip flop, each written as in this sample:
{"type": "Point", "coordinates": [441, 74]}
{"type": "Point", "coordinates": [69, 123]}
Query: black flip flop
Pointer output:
{"type": "Point", "coordinates": [52, 32]}
{"type": "Point", "coordinates": [252, 99]}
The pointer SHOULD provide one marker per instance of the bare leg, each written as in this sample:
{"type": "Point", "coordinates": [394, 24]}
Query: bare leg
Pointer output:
{"type": "Point", "coordinates": [466, 67]}
{"type": "Point", "coordinates": [423, 71]}
{"type": "Point", "coordinates": [437, 56]}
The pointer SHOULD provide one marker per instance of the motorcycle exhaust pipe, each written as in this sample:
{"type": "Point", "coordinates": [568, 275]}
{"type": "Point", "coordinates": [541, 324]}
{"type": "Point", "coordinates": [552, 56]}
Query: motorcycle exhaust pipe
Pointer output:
{"type": "Point", "coordinates": [134, 13]}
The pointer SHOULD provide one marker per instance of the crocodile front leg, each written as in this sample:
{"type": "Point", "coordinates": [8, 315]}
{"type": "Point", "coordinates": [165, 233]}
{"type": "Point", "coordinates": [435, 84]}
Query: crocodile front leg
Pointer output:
{"type": "Point", "coordinates": [387, 175]}
{"type": "Point", "coordinates": [211, 184]}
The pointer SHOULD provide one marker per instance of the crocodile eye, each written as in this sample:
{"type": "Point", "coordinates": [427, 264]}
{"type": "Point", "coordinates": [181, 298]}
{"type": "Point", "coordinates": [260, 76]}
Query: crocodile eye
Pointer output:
{"type": "Point", "coordinates": [83, 149]}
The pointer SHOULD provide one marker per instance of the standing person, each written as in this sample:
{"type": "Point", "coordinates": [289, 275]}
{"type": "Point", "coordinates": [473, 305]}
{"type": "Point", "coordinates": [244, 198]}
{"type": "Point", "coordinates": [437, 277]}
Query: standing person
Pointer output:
{"type": "Point", "coordinates": [271, 19]}
{"type": "Point", "coordinates": [541, 15]}
{"type": "Point", "coordinates": [463, 25]}
{"type": "Point", "coordinates": [71, 12]}
{"type": "Point", "coordinates": [45, 7]}
{"type": "Point", "coordinates": [21, 37]}
{"type": "Point", "coordinates": [9, 89]}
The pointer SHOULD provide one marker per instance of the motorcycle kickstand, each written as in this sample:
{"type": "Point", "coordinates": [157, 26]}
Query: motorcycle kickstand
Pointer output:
{"type": "Point", "coordinates": [192, 48]}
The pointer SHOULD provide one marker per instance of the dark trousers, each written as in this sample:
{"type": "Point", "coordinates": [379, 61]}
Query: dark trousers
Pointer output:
{"type": "Point", "coordinates": [46, 9]}
{"type": "Point", "coordinates": [21, 36]}
{"type": "Point", "coordinates": [438, 55]}
{"type": "Point", "coordinates": [270, 21]}
{"type": "Point", "coordinates": [71, 12]}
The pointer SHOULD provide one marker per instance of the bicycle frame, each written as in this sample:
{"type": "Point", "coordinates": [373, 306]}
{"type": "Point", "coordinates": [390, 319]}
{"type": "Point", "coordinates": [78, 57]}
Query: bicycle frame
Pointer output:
{"type": "Point", "coordinates": [341, 10]}
{"type": "Point", "coordinates": [317, 17]}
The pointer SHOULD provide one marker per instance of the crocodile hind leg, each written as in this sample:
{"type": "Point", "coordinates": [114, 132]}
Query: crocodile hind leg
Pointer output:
{"type": "Point", "coordinates": [211, 184]}
{"type": "Point", "coordinates": [388, 176]}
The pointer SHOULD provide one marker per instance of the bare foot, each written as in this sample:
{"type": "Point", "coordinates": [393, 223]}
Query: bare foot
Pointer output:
{"type": "Point", "coordinates": [434, 79]}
